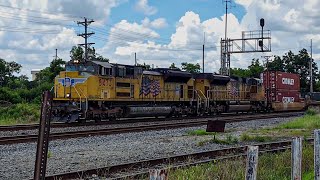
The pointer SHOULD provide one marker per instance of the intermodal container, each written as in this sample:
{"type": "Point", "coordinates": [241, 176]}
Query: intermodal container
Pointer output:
{"type": "Point", "coordinates": [286, 97]}
{"type": "Point", "coordinates": [281, 80]}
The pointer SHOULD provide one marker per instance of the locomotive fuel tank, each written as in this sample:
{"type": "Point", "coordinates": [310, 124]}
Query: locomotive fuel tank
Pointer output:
{"type": "Point", "coordinates": [138, 111]}
{"type": "Point", "coordinates": [239, 108]}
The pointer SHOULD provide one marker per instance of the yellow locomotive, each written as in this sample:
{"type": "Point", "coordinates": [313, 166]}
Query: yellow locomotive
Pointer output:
{"type": "Point", "coordinates": [101, 90]}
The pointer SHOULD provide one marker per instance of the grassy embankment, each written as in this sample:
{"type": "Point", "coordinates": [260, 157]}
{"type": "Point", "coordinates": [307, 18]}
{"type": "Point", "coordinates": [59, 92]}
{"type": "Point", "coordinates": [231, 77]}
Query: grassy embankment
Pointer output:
{"type": "Point", "coordinates": [19, 114]}
{"type": "Point", "coordinates": [270, 166]}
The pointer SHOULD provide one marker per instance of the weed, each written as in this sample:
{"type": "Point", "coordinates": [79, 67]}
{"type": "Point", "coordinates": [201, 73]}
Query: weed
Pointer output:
{"type": "Point", "coordinates": [200, 132]}
{"type": "Point", "coordinates": [228, 140]}
{"type": "Point", "coordinates": [49, 155]}
{"type": "Point", "coordinates": [256, 138]}
{"type": "Point", "coordinates": [311, 112]}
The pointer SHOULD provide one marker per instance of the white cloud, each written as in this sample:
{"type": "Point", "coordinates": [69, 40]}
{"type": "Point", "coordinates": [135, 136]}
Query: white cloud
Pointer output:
{"type": "Point", "coordinates": [185, 45]}
{"type": "Point", "coordinates": [142, 6]}
{"type": "Point", "coordinates": [156, 24]}
{"type": "Point", "coordinates": [43, 26]}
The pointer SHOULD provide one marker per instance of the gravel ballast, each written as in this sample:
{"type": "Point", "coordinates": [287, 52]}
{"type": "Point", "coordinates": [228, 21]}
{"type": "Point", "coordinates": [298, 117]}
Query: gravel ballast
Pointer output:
{"type": "Point", "coordinates": [17, 160]}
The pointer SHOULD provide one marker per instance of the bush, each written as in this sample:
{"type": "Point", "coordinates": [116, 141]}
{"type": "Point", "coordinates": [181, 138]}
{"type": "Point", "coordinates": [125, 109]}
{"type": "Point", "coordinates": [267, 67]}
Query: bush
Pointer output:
{"type": "Point", "coordinates": [311, 112]}
{"type": "Point", "coordinates": [19, 113]}
{"type": "Point", "coordinates": [7, 94]}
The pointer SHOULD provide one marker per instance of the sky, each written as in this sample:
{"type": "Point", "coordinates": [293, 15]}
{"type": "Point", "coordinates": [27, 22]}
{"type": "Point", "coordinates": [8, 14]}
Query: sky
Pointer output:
{"type": "Point", "coordinates": [159, 32]}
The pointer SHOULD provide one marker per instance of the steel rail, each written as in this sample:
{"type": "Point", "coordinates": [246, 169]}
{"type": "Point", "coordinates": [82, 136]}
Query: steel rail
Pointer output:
{"type": "Point", "coordinates": [20, 127]}
{"type": "Point", "coordinates": [109, 131]}
{"type": "Point", "coordinates": [140, 169]}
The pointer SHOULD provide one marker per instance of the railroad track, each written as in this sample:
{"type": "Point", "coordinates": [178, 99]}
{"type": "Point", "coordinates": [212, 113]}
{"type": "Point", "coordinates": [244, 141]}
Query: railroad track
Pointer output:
{"type": "Point", "coordinates": [21, 127]}
{"type": "Point", "coordinates": [108, 131]}
{"type": "Point", "coordinates": [135, 170]}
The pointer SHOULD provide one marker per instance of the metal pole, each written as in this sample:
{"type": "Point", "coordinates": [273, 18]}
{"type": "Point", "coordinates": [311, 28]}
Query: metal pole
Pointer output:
{"type": "Point", "coordinates": [226, 41]}
{"type": "Point", "coordinates": [135, 59]}
{"type": "Point", "coordinates": [311, 75]}
{"type": "Point", "coordinates": [203, 58]}
{"type": "Point", "coordinates": [43, 137]}
{"type": "Point", "coordinates": [86, 39]}
{"type": "Point", "coordinates": [317, 154]}
{"type": "Point", "coordinates": [296, 156]}
{"type": "Point", "coordinates": [252, 162]}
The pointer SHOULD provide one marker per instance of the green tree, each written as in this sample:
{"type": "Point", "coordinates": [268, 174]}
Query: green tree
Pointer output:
{"type": "Point", "coordinates": [276, 65]}
{"type": "Point", "coordinates": [7, 70]}
{"type": "Point", "coordinates": [239, 72]}
{"type": "Point", "coordinates": [103, 59]}
{"type": "Point", "coordinates": [255, 69]}
{"type": "Point", "coordinates": [189, 67]}
{"type": "Point", "coordinates": [76, 53]}
{"type": "Point", "coordinates": [49, 73]}
{"type": "Point", "coordinates": [145, 66]}
{"type": "Point", "coordinates": [173, 66]}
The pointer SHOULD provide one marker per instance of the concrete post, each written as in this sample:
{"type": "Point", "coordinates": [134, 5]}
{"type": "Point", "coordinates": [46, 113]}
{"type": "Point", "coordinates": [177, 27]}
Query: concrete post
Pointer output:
{"type": "Point", "coordinates": [252, 162]}
{"type": "Point", "coordinates": [296, 157]}
{"type": "Point", "coordinates": [317, 154]}
{"type": "Point", "coordinates": [158, 174]}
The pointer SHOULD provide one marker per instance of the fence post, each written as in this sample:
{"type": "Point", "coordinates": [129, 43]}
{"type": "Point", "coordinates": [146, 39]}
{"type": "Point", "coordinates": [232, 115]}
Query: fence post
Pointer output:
{"type": "Point", "coordinates": [252, 162]}
{"type": "Point", "coordinates": [158, 174]}
{"type": "Point", "coordinates": [296, 156]}
{"type": "Point", "coordinates": [317, 154]}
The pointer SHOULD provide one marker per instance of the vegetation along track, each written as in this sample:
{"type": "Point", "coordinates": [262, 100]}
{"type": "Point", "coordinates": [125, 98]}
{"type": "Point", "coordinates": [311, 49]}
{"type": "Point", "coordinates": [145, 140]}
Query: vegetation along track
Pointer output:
{"type": "Point", "coordinates": [139, 128]}
{"type": "Point", "coordinates": [20, 127]}
{"type": "Point", "coordinates": [140, 169]}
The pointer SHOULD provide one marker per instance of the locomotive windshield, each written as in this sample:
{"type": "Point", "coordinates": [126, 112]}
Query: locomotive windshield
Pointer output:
{"type": "Point", "coordinates": [80, 68]}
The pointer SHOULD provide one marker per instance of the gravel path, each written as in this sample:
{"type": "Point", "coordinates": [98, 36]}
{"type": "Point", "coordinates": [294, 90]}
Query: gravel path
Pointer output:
{"type": "Point", "coordinates": [17, 161]}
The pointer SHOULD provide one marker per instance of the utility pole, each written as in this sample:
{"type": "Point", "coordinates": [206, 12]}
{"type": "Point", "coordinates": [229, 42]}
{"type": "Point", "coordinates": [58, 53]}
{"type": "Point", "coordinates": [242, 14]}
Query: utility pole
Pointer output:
{"type": "Point", "coordinates": [311, 78]}
{"type": "Point", "coordinates": [86, 35]}
{"type": "Point", "coordinates": [56, 54]}
{"type": "Point", "coordinates": [204, 41]}
{"type": "Point", "coordinates": [225, 55]}
{"type": "Point", "coordinates": [266, 80]}
{"type": "Point", "coordinates": [135, 59]}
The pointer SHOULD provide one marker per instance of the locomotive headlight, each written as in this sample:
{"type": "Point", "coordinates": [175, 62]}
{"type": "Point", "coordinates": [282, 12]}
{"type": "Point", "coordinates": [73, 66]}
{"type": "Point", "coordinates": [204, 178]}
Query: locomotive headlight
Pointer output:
{"type": "Point", "coordinates": [68, 95]}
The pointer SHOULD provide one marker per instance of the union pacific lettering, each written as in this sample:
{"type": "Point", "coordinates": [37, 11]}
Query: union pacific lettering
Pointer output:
{"type": "Point", "coordinates": [288, 81]}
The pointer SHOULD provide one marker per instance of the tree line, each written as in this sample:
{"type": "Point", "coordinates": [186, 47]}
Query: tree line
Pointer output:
{"type": "Point", "coordinates": [17, 89]}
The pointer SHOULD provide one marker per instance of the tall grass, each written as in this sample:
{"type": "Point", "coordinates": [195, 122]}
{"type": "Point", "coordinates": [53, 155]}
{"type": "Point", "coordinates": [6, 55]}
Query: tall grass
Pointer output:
{"type": "Point", "coordinates": [270, 166]}
{"type": "Point", "coordinates": [305, 122]}
{"type": "Point", "coordinates": [19, 114]}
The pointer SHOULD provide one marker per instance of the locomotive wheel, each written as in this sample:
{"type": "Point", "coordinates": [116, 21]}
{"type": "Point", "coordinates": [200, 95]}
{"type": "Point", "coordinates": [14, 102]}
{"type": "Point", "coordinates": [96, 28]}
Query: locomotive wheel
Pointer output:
{"type": "Point", "coordinates": [112, 118]}
{"type": "Point", "coordinates": [97, 119]}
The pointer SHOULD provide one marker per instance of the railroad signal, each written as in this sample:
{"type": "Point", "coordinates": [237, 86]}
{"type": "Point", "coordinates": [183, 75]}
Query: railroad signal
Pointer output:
{"type": "Point", "coordinates": [262, 22]}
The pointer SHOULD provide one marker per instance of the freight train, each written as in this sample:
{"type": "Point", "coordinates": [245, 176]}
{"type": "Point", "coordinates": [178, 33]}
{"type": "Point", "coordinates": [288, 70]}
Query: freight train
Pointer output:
{"type": "Point", "coordinates": [108, 91]}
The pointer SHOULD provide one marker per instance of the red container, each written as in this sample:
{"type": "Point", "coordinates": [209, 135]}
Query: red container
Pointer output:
{"type": "Point", "coordinates": [281, 80]}
{"type": "Point", "coordinates": [285, 96]}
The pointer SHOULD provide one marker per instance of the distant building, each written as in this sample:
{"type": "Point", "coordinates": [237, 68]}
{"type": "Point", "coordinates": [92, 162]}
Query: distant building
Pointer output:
{"type": "Point", "coordinates": [34, 73]}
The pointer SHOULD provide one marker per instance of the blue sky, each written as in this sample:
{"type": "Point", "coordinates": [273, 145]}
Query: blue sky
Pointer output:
{"type": "Point", "coordinates": [172, 11]}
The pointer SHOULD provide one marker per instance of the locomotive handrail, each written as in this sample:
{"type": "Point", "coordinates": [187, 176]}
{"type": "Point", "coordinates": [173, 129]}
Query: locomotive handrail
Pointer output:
{"type": "Point", "coordinates": [205, 98]}
{"type": "Point", "coordinates": [79, 96]}
{"type": "Point", "coordinates": [86, 101]}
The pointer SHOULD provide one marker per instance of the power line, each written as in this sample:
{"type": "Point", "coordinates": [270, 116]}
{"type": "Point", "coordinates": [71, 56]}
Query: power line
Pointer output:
{"type": "Point", "coordinates": [42, 12]}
